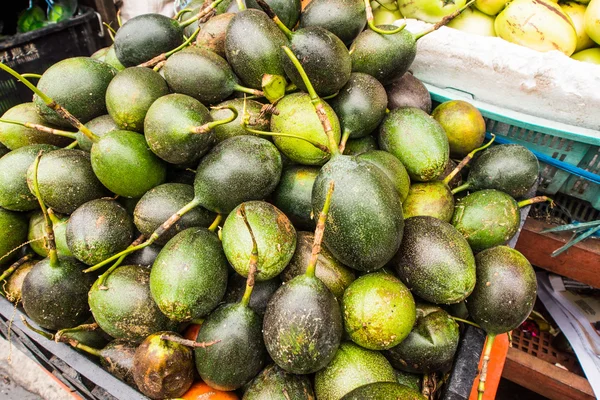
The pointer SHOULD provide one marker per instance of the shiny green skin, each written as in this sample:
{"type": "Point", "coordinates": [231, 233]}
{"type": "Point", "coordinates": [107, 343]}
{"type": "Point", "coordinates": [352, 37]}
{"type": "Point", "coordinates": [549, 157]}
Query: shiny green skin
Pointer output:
{"type": "Point", "coordinates": [239, 355]}
{"type": "Point", "coordinates": [15, 136]}
{"type": "Point", "coordinates": [234, 128]}
{"type": "Point", "coordinates": [111, 59]}
{"type": "Point", "coordinates": [146, 36]}
{"type": "Point", "coordinates": [275, 238]}
{"type": "Point", "coordinates": [293, 195]}
{"type": "Point", "coordinates": [393, 169]}
{"type": "Point", "coordinates": [297, 117]}
{"type": "Point", "coordinates": [417, 140]}
{"type": "Point", "coordinates": [510, 168]}
{"type": "Point", "coordinates": [429, 198]}
{"type": "Point", "coordinates": [344, 18]}
{"type": "Point", "coordinates": [212, 34]}
{"type": "Point", "coordinates": [13, 232]}
{"type": "Point", "coordinates": [14, 192]}
{"type": "Point", "coordinates": [239, 169]}
{"type": "Point", "coordinates": [162, 201]}
{"type": "Point", "coordinates": [302, 327]}
{"type": "Point", "coordinates": [409, 379]}
{"type": "Point", "coordinates": [273, 383]}
{"type": "Point", "coordinates": [261, 293]}
{"type": "Point", "coordinates": [124, 164]}
{"type": "Point", "coordinates": [351, 367]}
{"type": "Point", "coordinates": [37, 230]}
{"type": "Point", "coordinates": [79, 85]}
{"type": "Point", "coordinates": [505, 292]}
{"type": "Point", "coordinates": [431, 344]}
{"type": "Point", "coordinates": [287, 11]}
{"type": "Point", "coordinates": [66, 180]}
{"type": "Point", "coordinates": [96, 338]}
{"type": "Point", "coordinates": [189, 276]}
{"type": "Point", "coordinates": [126, 310]}
{"type": "Point", "coordinates": [362, 145]}
{"type": "Point", "coordinates": [98, 229]}
{"type": "Point", "coordinates": [360, 105]}
{"type": "Point", "coordinates": [100, 126]}
{"type": "Point", "coordinates": [168, 128]}
{"type": "Point", "coordinates": [324, 57]}
{"type": "Point", "coordinates": [331, 272]}
{"type": "Point", "coordinates": [54, 297]}
{"type": "Point", "coordinates": [435, 261]}
{"type": "Point", "coordinates": [365, 223]}
{"type": "Point", "coordinates": [131, 93]}
{"type": "Point", "coordinates": [487, 218]}
{"type": "Point", "coordinates": [253, 47]}
{"type": "Point", "coordinates": [384, 391]}
{"type": "Point", "coordinates": [379, 311]}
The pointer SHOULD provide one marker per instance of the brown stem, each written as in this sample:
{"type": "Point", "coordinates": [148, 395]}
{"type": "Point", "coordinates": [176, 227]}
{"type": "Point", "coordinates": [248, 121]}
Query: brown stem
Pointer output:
{"type": "Point", "coordinates": [9, 271]}
{"type": "Point", "coordinates": [319, 232]}
{"type": "Point", "coordinates": [253, 263]}
{"type": "Point", "coordinates": [443, 21]}
{"type": "Point", "coordinates": [466, 160]}
{"type": "Point", "coordinates": [187, 342]}
{"type": "Point", "coordinates": [60, 335]}
{"type": "Point", "coordinates": [153, 61]}
{"type": "Point", "coordinates": [533, 200]}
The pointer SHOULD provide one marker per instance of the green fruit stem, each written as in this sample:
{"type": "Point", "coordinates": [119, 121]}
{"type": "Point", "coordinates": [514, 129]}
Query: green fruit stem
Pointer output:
{"type": "Point", "coordinates": [464, 321]}
{"type": "Point", "coordinates": [252, 269]}
{"type": "Point", "coordinates": [41, 128]}
{"type": "Point", "coordinates": [484, 365]}
{"type": "Point", "coordinates": [319, 231]}
{"type": "Point", "coordinates": [466, 160]}
{"type": "Point", "coordinates": [163, 57]}
{"type": "Point", "coordinates": [55, 220]}
{"type": "Point", "coordinates": [344, 140]}
{"type": "Point", "coordinates": [47, 335]}
{"type": "Point", "coordinates": [31, 75]}
{"type": "Point", "coordinates": [243, 89]}
{"type": "Point", "coordinates": [209, 126]}
{"type": "Point", "coordinates": [62, 338]}
{"type": "Point", "coordinates": [460, 188]}
{"type": "Point", "coordinates": [371, 24]}
{"type": "Point", "coordinates": [62, 335]}
{"type": "Point", "coordinates": [186, 342]}
{"type": "Point", "coordinates": [111, 31]}
{"type": "Point", "coordinates": [180, 13]}
{"type": "Point", "coordinates": [72, 145]}
{"type": "Point", "coordinates": [443, 21]}
{"type": "Point", "coordinates": [203, 13]}
{"type": "Point", "coordinates": [533, 200]}
{"type": "Point", "coordinates": [215, 223]}
{"type": "Point", "coordinates": [9, 271]}
{"type": "Point", "coordinates": [271, 14]}
{"type": "Point", "coordinates": [102, 278]}
{"type": "Point", "coordinates": [241, 5]}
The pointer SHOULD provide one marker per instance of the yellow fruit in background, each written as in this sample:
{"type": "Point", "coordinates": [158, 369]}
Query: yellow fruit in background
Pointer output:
{"type": "Point", "coordinates": [429, 10]}
{"type": "Point", "coordinates": [490, 7]}
{"type": "Point", "coordinates": [592, 20]}
{"type": "Point", "coordinates": [385, 14]}
{"type": "Point", "coordinates": [474, 21]}
{"type": "Point", "coordinates": [589, 55]}
{"type": "Point", "coordinates": [576, 12]}
{"type": "Point", "coordinates": [538, 24]}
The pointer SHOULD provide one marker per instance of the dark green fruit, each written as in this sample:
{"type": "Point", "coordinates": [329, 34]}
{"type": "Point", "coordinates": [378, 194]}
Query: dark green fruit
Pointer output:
{"type": "Point", "coordinates": [79, 85]}
{"type": "Point", "coordinates": [408, 91]}
{"type": "Point", "coordinates": [505, 291]}
{"type": "Point", "coordinates": [253, 47]}
{"type": "Point", "coordinates": [14, 192]}
{"type": "Point", "coordinates": [94, 338]}
{"type": "Point", "coordinates": [240, 353]}
{"type": "Point", "coordinates": [15, 136]}
{"type": "Point", "coordinates": [409, 379]}
{"type": "Point", "coordinates": [66, 180]}
{"type": "Point", "coordinates": [344, 18]}
{"type": "Point", "coordinates": [383, 391]}
{"type": "Point", "coordinates": [13, 233]}
{"type": "Point", "coordinates": [275, 237]}
{"type": "Point", "coordinates": [124, 308]}
{"type": "Point", "coordinates": [98, 229]}
{"type": "Point", "coordinates": [324, 57]}
{"type": "Point", "coordinates": [123, 163]}
{"type": "Point", "coordinates": [241, 168]}
{"type": "Point", "coordinates": [117, 358]}
{"type": "Point", "coordinates": [417, 140]}
{"type": "Point", "coordinates": [213, 33]}
{"type": "Point", "coordinates": [189, 276]}
{"type": "Point", "coordinates": [287, 11]}
{"type": "Point", "coordinates": [385, 57]}
{"type": "Point", "coordinates": [3, 150]}
{"type": "Point", "coordinates": [273, 383]}
{"type": "Point", "coordinates": [429, 198]}
{"type": "Point", "coordinates": [463, 124]}
{"type": "Point", "coordinates": [378, 310]}
{"type": "Point", "coordinates": [163, 369]}
{"type": "Point", "coordinates": [430, 346]}
{"type": "Point", "coordinates": [393, 169]}
{"type": "Point", "coordinates": [454, 182]}
{"type": "Point", "coordinates": [13, 287]}
{"type": "Point", "coordinates": [131, 93]}
{"type": "Point", "coordinates": [111, 59]}
{"type": "Point", "coordinates": [54, 297]}
{"type": "Point", "coordinates": [261, 294]}
{"type": "Point", "coordinates": [159, 203]}
{"type": "Point", "coordinates": [351, 367]}
{"type": "Point", "coordinates": [234, 128]}
{"type": "Point", "coordinates": [359, 146]}
{"type": "Point", "coordinates": [435, 261]}
{"type": "Point", "coordinates": [293, 195]}
{"type": "Point", "coordinates": [37, 230]}
{"type": "Point", "coordinates": [100, 126]}
{"type": "Point", "coordinates": [302, 327]}
{"type": "Point", "coordinates": [146, 36]}
{"type": "Point", "coordinates": [144, 257]}
{"type": "Point", "coordinates": [331, 272]}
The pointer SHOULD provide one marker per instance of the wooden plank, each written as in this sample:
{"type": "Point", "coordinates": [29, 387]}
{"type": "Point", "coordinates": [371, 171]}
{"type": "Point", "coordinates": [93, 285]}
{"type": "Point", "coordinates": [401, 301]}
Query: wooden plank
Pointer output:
{"type": "Point", "coordinates": [581, 262]}
{"type": "Point", "coordinates": [544, 378]}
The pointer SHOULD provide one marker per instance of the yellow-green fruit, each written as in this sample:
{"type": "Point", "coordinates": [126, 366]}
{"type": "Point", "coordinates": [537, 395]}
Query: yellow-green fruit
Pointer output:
{"type": "Point", "coordinates": [387, 15]}
{"type": "Point", "coordinates": [490, 7]}
{"type": "Point", "coordinates": [592, 20]}
{"type": "Point", "coordinates": [474, 21]}
{"type": "Point", "coordinates": [576, 12]}
{"type": "Point", "coordinates": [538, 24]}
{"type": "Point", "coordinates": [429, 10]}
{"type": "Point", "coordinates": [588, 55]}
{"type": "Point", "coordinates": [463, 124]}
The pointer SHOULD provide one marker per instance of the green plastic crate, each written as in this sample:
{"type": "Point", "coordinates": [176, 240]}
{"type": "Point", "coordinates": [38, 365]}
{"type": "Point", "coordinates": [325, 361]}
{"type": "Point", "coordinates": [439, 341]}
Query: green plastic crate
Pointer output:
{"type": "Point", "coordinates": [571, 144]}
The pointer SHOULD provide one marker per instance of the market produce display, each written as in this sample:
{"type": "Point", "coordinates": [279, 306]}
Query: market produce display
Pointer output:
{"type": "Point", "coordinates": [270, 207]}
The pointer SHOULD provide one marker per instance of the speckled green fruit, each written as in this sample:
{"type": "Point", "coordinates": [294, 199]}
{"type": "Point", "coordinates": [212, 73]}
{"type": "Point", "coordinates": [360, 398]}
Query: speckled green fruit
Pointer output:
{"type": "Point", "coordinates": [124, 164]}
{"type": "Point", "coordinates": [293, 195]}
{"type": "Point", "coordinates": [384, 391]}
{"type": "Point", "coordinates": [273, 383]}
{"type": "Point", "coordinates": [463, 125]}
{"type": "Point", "coordinates": [435, 261]}
{"type": "Point", "coordinates": [14, 192]}
{"type": "Point", "coordinates": [98, 229]}
{"type": "Point", "coordinates": [79, 85]}
{"type": "Point", "coordinates": [37, 230]}
{"type": "Point", "coordinates": [505, 292]}
{"type": "Point", "coordinates": [124, 308]}
{"type": "Point", "coordinates": [189, 276]}
{"type": "Point", "coordinates": [100, 126]}
{"type": "Point", "coordinates": [275, 237]}
{"type": "Point", "coordinates": [409, 379]}
{"type": "Point", "coordinates": [15, 136]}
{"type": "Point", "coordinates": [351, 367]}
{"type": "Point", "coordinates": [393, 169]}
{"type": "Point", "coordinates": [111, 59]}
{"type": "Point", "coordinates": [297, 116]}
{"type": "Point", "coordinates": [344, 18]}
{"type": "Point", "coordinates": [234, 128]}
{"type": "Point", "coordinates": [417, 140]}
{"type": "Point", "coordinates": [431, 344]}
{"type": "Point", "coordinates": [131, 93]}
{"type": "Point", "coordinates": [13, 233]}
{"type": "Point", "coordinates": [261, 293]}
{"type": "Point", "coordinates": [433, 199]}
{"type": "Point", "coordinates": [358, 146]}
